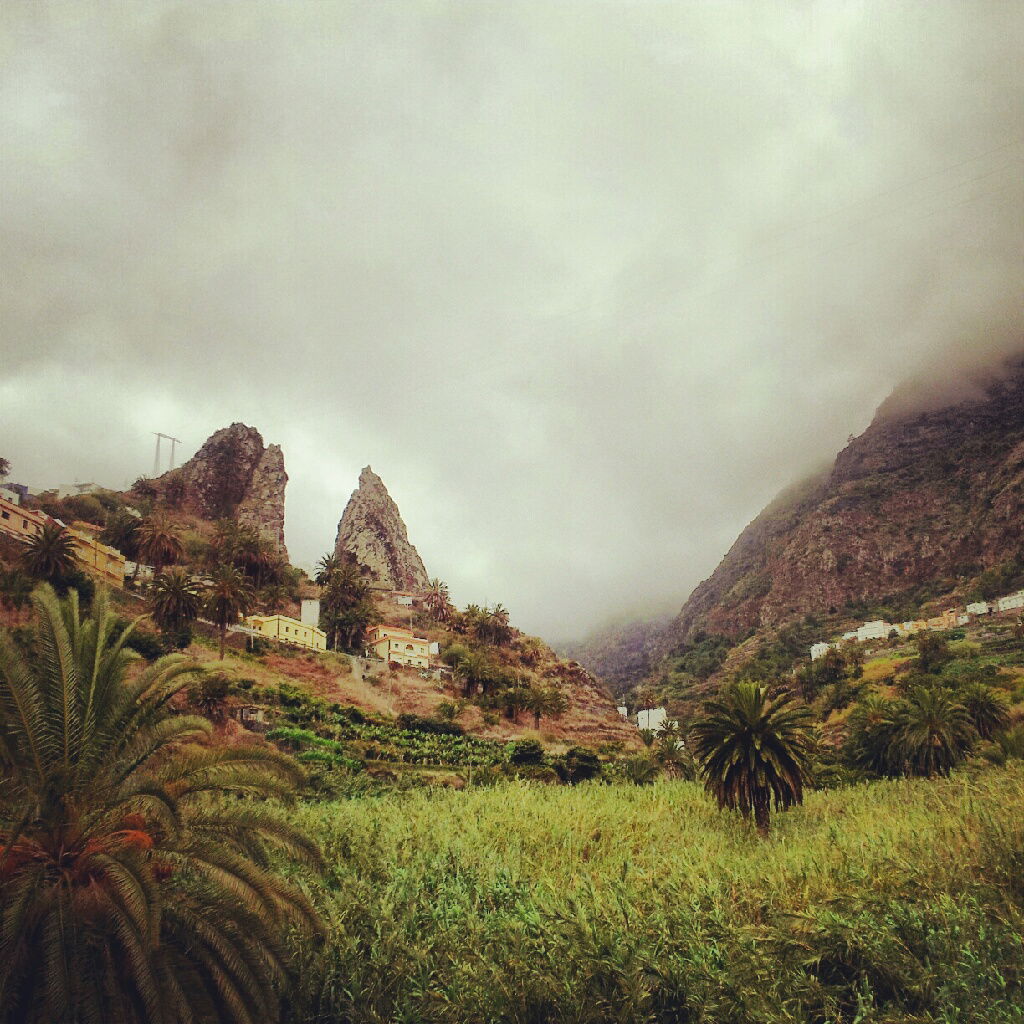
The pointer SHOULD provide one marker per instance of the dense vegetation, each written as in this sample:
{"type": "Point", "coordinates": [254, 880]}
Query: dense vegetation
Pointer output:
{"type": "Point", "coordinates": [892, 901]}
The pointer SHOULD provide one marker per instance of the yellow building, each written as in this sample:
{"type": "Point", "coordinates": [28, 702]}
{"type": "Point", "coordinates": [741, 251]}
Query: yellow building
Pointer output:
{"type": "Point", "coordinates": [394, 643]}
{"type": "Point", "coordinates": [105, 562]}
{"type": "Point", "coordinates": [287, 630]}
{"type": "Point", "coordinates": [23, 523]}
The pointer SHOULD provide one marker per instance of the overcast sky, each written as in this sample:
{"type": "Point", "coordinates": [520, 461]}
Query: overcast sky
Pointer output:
{"type": "Point", "coordinates": [586, 284]}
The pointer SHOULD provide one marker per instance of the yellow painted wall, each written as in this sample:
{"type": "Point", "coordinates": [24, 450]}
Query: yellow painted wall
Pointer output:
{"type": "Point", "coordinates": [19, 522]}
{"type": "Point", "coordinates": [97, 558]}
{"type": "Point", "coordinates": [289, 631]}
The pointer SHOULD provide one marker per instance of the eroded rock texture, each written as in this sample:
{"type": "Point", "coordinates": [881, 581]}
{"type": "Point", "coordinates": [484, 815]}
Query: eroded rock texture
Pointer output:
{"type": "Point", "coordinates": [372, 532]}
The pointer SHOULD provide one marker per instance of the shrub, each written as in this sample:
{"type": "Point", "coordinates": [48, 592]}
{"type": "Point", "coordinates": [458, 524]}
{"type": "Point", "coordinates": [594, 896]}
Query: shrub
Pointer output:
{"type": "Point", "coordinates": [577, 765]}
{"type": "Point", "coordinates": [526, 752]}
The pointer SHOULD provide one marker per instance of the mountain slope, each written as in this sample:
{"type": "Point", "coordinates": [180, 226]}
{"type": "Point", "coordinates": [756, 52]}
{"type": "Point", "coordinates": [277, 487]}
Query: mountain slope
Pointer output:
{"type": "Point", "coordinates": [922, 494]}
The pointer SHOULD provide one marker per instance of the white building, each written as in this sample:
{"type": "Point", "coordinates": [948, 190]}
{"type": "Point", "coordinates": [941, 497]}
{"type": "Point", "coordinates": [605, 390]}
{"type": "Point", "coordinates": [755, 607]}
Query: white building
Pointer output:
{"type": "Point", "coordinates": [651, 718]}
{"type": "Point", "coordinates": [980, 608]}
{"type": "Point", "coordinates": [962, 619]}
{"type": "Point", "coordinates": [310, 613]}
{"type": "Point", "coordinates": [877, 630]}
{"type": "Point", "coordinates": [67, 490]}
{"type": "Point", "coordinates": [819, 650]}
{"type": "Point", "coordinates": [1010, 602]}
{"type": "Point", "coordinates": [623, 710]}
{"type": "Point", "coordinates": [852, 635]}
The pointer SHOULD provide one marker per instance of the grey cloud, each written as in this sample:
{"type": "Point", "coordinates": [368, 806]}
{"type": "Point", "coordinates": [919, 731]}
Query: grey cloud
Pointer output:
{"type": "Point", "coordinates": [585, 284]}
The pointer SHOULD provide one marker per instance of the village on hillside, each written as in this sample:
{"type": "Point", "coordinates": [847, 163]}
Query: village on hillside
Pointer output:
{"type": "Point", "coordinates": [879, 629]}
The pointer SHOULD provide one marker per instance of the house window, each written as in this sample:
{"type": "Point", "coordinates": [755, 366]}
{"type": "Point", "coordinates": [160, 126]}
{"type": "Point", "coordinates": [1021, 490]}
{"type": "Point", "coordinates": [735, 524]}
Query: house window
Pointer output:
{"type": "Point", "coordinates": [408, 647]}
{"type": "Point", "coordinates": [6, 515]}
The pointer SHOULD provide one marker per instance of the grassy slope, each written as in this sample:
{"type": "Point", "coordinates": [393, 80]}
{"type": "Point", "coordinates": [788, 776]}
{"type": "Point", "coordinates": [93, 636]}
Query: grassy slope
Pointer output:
{"type": "Point", "coordinates": [898, 900]}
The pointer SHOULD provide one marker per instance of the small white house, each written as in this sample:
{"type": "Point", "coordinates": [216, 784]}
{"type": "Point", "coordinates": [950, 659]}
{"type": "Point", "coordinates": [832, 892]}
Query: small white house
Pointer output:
{"type": "Point", "coordinates": [310, 614]}
{"type": "Point", "coordinates": [877, 630]}
{"type": "Point", "coordinates": [623, 710]}
{"type": "Point", "coordinates": [651, 718]}
{"type": "Point", "coordinates": [962, 619]}
{"type": "Point", "coordinates": [852, 635]}
{"type": "Point", "coordinates": [1011, 601]}
{"type": "Point", "coordinates": [435, 647]}
{"type": "Point", "coordinates": [980, 608]}
{"type": "Point", "coordinates": [819, 650]}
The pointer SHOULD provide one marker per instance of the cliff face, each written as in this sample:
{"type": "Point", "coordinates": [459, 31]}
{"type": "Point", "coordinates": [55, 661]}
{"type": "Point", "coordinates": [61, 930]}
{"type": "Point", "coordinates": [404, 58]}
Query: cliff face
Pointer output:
{"type": "Point", "coordinates": [919, 496]}
{"type": "Point", "coordinates": [262, 506]}
{"type": "Point", "coordinates": [234, 475]}
{"type": "Point", "coordinates": [371, 531]}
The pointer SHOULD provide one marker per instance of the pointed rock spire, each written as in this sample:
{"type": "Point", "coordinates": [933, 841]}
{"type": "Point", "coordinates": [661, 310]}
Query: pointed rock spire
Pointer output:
{"type": "Point", "coordinates": [372, 532]}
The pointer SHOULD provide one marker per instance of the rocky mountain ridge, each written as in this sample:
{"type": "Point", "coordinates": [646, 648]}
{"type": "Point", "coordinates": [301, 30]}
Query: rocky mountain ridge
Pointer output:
{"type": "Point", "coordinates": [920, 495]}
{"type": "Point", "coordinates": [372, 532]}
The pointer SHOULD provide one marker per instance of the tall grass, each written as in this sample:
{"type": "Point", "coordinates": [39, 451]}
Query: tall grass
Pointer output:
{"type": "Point", "coordinates": [889, 901]}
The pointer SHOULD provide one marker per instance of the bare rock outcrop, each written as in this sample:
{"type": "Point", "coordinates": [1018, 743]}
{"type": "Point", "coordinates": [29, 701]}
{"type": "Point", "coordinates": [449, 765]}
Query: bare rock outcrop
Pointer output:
{"type": "Point", "coordinates": [262, 507]}
{"type": "Point", "coordinates": [233, 476]}
{"type": "Point", "coordinates": [372, 532]}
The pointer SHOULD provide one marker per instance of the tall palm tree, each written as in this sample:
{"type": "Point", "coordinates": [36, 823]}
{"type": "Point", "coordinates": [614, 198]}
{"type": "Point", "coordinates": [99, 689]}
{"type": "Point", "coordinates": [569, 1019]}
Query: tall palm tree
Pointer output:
{"type": "Point", "coordinates": [934, 731]}
{"type": "Point", "coordinates": [438, 600]}
{"type": "Point", "coordinates": [176, 600]}
{"type": "Point", "coordinates": [987, 708]}
{"type": "Point", "coordinates": [134, 879]}
{"type": "Point", "coordinates": [754, 750]}
{"type": "Point", "coordinates": [228, 597]}
{"type": "Point", "coordinates": [50, 555]}
{"type": "Point", "coordinates": [158, 543]}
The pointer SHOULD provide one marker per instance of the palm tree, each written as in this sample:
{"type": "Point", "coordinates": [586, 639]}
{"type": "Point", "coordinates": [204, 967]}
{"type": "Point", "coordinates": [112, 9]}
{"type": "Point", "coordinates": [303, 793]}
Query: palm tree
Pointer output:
{"type": "Point", "coordinates": [872, 743]}
{"type": "Point", "coordinates": [159, 543]}
{"type": "Point", "coordinates": [228, 597]}
{"type": "Point", "coordinates": [988, 709]}
{"type": "Point", "coordinates": [325, 569]}
{"type": "Point", "coordinates": [438, 602]}
{"type": "Point", "coordinates": [50, 555]}
{"type": "Point", "coordinates": [122, 532]}
{"type": "Point", "coordinates": [176, 600]}
{"type": "Point", "coordinates": [934, 732]}
{"type": "Point", "coordinates": [753, 750]}
{"type": "Point", "coordinates": [134, 879]}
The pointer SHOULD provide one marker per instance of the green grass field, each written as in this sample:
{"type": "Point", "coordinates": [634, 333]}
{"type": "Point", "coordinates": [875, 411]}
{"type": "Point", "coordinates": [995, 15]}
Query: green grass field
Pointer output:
{"type": "Point", "coordinates": [888, 901]}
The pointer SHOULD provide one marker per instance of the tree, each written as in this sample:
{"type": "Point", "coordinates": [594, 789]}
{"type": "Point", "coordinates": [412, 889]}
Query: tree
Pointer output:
{"type": "Point", "coordinates": [438, 602]}
{"type": "Point", "coordinates": [209, 695]}
{"type": "Point", "coordinates": [754, 750]}
{"type": "Point", "coordinates": [988, 709]}
{"type": "Point", "coordinates": [228, 597]}
{"type": "Point", "coordinates": [578, 764]}
{"type": "Point", "coordinates": [325, 569]}
{"type": "Point", "coordinates": [934, 732]}
{"type": "Point", "coordinates": [134, 877]}
{"type": "Point", "coordinates": [546, 701]}
{"type": "Point", "coordinates": [122, 532]}
{"type": "Point", "coordinates": [872, 743]}
{"type": "Point", "coordinates": [345, 606]}
{"type": "Point", "coordinates": [158, 542]}
{"type": "Point", "coordinates": [641, 770]}
{"type": "Point", "coordinates": [176, 601]}
{"type": "Point", "coordinates": [932, 651]}
{"type": "Point", "coordinates": [50, 555]}
{"type": "Point", "coordinates": [5, 468]}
